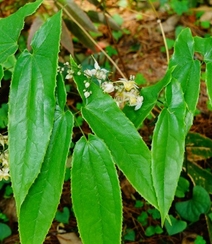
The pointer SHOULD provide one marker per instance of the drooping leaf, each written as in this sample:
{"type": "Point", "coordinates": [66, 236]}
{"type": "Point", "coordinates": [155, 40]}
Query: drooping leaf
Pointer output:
{"type": "Point", "coordinates": [66, 39]}
{"type": "Point", "coordinates": [187, 72]}
{"type": "Point", "coordinates": [11, 27]}
{"type": "Point", "coordinates": [95, 192]}
{"type": "Point", "coordinates": [203, 46]}
{"type": "Point", "coordinates": [128, 149]}
{"type": "Point", "coordinates": [77, 32]}
{"type": "Point", "coordinates": [100, 17]}
{"type": "Point", "coordinates": [150, 95]}
{"type": "Point", "coordinates": [73, 10]}
{"type": "Point", "coordinates": [1, 74]}
{"type": "Point", "coordinates": [32, 106]}
{"type": "Point", "coordinates": [199, 204]}
{"type": "Point", "coordinates": [40, 205]}
{"type": "Point", "coordinates": [168, 148]}
{"type": "Point", "coordinates": [176, 226]}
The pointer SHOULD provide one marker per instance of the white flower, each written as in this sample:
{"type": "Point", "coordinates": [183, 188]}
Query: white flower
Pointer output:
{"type": "Point", "coordinates": [128, 84]}
{"type": "Point", "coordinates": [107, 87]}
{"type": "Point", "coordinates": [100, 74]}
{"type": "Point", "coordinates": [87, 84]}
{"type": "Point", "coordinates": [139, 102]}
{"type": "Point", "coordinates": [87, 94]}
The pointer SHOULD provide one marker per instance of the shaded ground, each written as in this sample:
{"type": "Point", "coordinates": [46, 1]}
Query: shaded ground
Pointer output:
{"type": "Point", "coordinates": [140, 51]}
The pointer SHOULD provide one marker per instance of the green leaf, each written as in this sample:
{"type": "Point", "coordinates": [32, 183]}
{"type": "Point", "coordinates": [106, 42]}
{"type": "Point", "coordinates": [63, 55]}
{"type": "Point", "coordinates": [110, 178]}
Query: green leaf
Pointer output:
{"type": "Point", "coordinates": [200, 203]}
{"type": "Point", "coordinates": [1, 74]}
{"type": "Point", "coordinates": [5, 231]}
{"type": "Point", "coordinates": [126, 145]}
{"type": "Point", "coordinates": [63, 216]}
{"type": "Point", "coordinates": [39, 207]}
{"type": "Point", "coordinates": [11, 28]}
{"type": "Point", "coordinates": [168, 148]}
{"type": "Point", "coordinates": [187, 72]}
{"type": "Point", "coordinates": [3, 115]}
{"type": "Point", "coordinates": [95, 192]}
{"type": "Point", "coordinates": [150, 95]}
{"type": "Point", "coordinates": [32, 106]}
{"type": "Point", "coordinates": [130, 235]}
{"type": "Point", "coordinates": [176, 226]}
{"type": "Point", "coordinates": [182, 187]}
{"type": "Point", "coordinates": [203, 46]}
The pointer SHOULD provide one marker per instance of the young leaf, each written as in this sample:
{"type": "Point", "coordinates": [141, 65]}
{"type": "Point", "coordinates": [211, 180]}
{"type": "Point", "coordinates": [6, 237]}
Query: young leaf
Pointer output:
{"type": "Point", "coordinates": [193, 208]}
{"type": "Point", "coordinates": [176, 226]}
{"type": "Point", "coordinates": [32, 106]}
{"type": "Point", "coordinates": [39, 207]}
{"type": "Point", "coordinates": [168, 148]}
{"type": "Point", "coordinates": [11, 27]}
{"type": "Point", "coordinates": [96, 193]}
{"type": "Point", "coordinates": [128, 149]}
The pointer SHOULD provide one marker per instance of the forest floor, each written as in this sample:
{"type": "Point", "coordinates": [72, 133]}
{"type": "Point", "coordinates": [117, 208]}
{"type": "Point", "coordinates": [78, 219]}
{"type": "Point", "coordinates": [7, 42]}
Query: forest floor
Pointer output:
{"type": "Point", "coordinates": [140, 49]}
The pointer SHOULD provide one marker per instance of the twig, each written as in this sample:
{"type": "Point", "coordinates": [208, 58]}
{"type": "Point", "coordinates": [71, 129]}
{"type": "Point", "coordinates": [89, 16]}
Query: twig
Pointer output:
{"type": "Point", "coordinates": [91, 39]}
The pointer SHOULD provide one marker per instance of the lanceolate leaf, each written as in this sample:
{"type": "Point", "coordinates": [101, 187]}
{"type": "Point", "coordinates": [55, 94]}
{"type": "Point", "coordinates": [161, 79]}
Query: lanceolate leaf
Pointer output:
{"type": "Point", "coordinates": [40, 205]}
{"type": "Point", "coordinates": [11, 27]}
{"type": "Point", "coordinates": [96, 193]}
{"type": "Point", "coordinates": [168, 148]}
{"type": "Point", "coordinates": [126, 145]}
{"type": "Point", "coordinates": [187, 72]}
{"type": "Point", "coordinates": [32, 106]}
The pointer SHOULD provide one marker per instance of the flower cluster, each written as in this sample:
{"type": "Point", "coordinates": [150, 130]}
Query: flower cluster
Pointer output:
{"type": "Point", "coordinates": [124, 91]}
{"type": "Point", "coordinates": [4, 164]}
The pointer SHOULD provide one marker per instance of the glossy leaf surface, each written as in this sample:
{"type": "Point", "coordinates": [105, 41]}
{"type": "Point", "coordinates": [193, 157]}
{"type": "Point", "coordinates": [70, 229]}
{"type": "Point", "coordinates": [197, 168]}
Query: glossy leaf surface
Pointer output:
{"type": "Point", "coordinates": [168, 148]}
{"type": "Point", "coordinates": [40, 205]}
{"type": "Point", "coordinates": [128, 149]}
{"type": "Point", "coordinates": [187, 72]}
{"type": "Point", "coordinates": [32, 107]}
{"type": "Point", "coordinates": [96, 193]}
{"type": "Point", "coordinates": [11, 28]}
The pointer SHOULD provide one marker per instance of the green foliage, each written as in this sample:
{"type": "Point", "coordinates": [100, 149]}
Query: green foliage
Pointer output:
{"type": "Point", "coordinates": [40, 130]}
{"type": "Point", "coordinates": [5, 231]}
{"type": "Point", "coordinates": [63, 216]}
{"type": "Point", "coordinates": [199, 204]}
{"type": "Point", "coordinates": [3, 115]}
{"type": "Point", "coordinates": [175, 226]}
{"type": "Point", "coordinates": [94, 176]}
